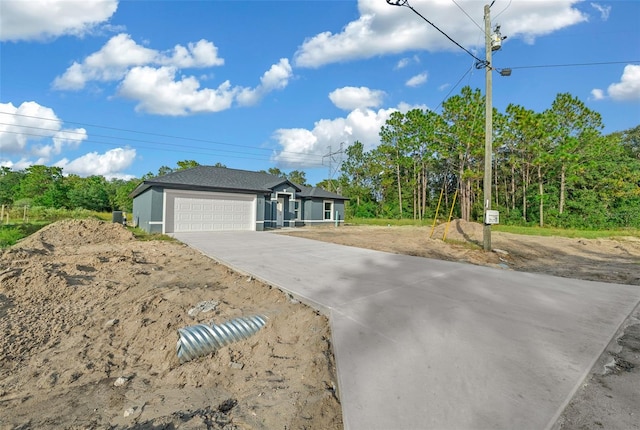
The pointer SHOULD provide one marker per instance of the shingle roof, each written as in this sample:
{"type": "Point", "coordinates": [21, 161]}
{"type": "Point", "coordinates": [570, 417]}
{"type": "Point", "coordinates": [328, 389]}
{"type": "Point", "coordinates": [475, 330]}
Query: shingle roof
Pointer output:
{"type": "Point", "coordinates": [225, 179]}
{"type": "Point", "coordinates": [319, 193]}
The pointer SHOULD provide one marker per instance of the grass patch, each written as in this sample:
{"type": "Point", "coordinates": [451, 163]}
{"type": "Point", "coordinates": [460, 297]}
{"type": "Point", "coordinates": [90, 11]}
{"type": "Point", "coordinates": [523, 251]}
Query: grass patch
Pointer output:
{"type": "Point", "coordinates": [515, 229]}
{"type": "Point", "coordinates": [566, 232]}
{"type": "Point", "coordinates": [388, 221]}
{"type": "Point", "coordinates": [140, 234]}
{"type": "Point", "coordinates": [472, 245]}
{"type": "Point", "coordinates": [9, 237]}
{"type": "Point", "coordinates": [10, 234]}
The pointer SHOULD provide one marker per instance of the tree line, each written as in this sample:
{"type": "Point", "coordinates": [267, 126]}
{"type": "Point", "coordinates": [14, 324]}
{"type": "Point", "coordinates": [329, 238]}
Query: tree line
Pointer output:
{"type": "Point", "coordinates": [554, 167]}
{"type": "Point", "coordinates": [549, 168]}
{"type": "Point", "coordinates": [47, 187]}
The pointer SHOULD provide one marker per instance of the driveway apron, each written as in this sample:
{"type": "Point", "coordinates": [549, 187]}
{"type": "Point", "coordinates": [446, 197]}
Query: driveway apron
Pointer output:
{"type": "Point", "coordinates": [430, 344]}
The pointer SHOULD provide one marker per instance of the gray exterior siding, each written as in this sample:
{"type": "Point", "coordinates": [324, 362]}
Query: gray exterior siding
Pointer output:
{"type": "Point", "coordinates": [147, 210]}
{"type": "Point", "coordinates": [269, 212]}
{"type": "Point", "coordinates": [275, 200]}
{"type": "Point", "coordinates": [261, 207]}
{"type": "Point", "coordinates": [314, 211]}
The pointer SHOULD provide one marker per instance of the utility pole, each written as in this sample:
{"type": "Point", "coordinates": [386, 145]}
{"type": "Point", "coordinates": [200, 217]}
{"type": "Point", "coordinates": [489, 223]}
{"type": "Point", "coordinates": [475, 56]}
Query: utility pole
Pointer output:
{"type": "Point", "coordinates": [492, 42]}
{"type": "Point", "coordinates": [488, 138]}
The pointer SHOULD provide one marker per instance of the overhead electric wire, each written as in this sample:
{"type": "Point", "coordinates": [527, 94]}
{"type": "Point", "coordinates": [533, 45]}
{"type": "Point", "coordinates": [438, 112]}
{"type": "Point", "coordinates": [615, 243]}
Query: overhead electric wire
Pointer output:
{"type": "Point", "coordinates": [468, 16]}
{"type": "Point", "coordinates": [502, 11]}
{"type": "Point", "coordinates": [453, 88]}
{"type": "Point", "coordinates": [481, 63]}
{"type": "Point", "coordinates": [146, 133]}
{"type": "Point", "coordinates": [543, 66]}
{"type": "Point", "coordinates": [204, 151]}
{"type": "Point", "coordinates": [141, 141]}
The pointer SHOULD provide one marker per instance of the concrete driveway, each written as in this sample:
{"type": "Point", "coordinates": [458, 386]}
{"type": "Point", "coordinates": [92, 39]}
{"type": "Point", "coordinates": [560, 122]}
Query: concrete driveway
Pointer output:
{"type": "Point", "coordinates": [429, 344]}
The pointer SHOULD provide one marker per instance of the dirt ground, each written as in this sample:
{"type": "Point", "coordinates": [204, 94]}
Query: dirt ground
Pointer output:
{"type": "Point", "coordinates": [89, 319]}
{"type": "Point", "coordinates": [88, 332]}
{"type": "Point", "coordinates": [609, 398]}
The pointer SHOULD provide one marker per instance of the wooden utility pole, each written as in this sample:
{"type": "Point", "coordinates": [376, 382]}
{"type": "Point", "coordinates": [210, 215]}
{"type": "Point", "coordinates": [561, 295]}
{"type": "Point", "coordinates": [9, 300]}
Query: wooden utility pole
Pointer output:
{"type": "Point", "coordinates": [488, 142]}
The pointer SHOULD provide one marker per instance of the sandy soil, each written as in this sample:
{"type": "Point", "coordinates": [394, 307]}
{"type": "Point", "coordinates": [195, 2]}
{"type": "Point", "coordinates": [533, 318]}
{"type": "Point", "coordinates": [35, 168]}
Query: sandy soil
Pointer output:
{"type": "Point", "coordinates": [88, 332]}
{"type": "Point", "coordinates": [604, 260]}
{"type": "Point", "coordinates": [89, 319]}
{"type": "Point", "coordinates": [609, 398]}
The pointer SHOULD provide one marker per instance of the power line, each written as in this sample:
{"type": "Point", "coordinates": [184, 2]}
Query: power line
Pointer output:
{"type": "Point", "coordinates": [543, 66]}
{"type": "Point", "coordinates": [502, 11]}
{"type": "Point", "coordinates": [142, 133]}
{"type": "Point", "coordinates": [136, 140]}
{"type": "Point", "coordinates": [204, 151]}
{"type": "Point", "coordinates": [480, 63]}
{"type": "Point", "coordinates": [468, 16]}
{"type": "Point", "coordinates": [453, 88]}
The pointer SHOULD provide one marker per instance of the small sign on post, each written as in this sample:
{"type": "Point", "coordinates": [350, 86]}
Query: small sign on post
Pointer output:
{"type": "Point", "coordinates": [492, 217]}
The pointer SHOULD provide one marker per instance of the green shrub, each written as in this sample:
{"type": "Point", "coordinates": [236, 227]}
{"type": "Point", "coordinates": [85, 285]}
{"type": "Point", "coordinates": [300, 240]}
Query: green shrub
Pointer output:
{"type": "Point", "coordinates": [9, 236]}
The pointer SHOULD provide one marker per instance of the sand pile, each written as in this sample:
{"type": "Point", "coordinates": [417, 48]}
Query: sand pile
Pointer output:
{"type": "Point", "coordinates": [88, 331]}
{"type": "Point", "coordinates": [459, 230]}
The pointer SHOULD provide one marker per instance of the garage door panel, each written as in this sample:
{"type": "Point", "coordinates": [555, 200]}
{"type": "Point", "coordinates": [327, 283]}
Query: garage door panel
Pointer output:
{"type": "Point", "coordinates": [213, 212]}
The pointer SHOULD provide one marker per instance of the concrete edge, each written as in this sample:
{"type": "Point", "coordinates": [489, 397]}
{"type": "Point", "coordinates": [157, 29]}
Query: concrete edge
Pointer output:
{"type": "Point", "coordinates": [610, 345]}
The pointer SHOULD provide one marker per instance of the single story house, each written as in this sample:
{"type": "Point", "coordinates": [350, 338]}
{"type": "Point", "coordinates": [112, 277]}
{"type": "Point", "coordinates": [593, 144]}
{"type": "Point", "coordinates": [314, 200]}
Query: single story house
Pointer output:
{"type": "Point", "coordinates": [207, 198]}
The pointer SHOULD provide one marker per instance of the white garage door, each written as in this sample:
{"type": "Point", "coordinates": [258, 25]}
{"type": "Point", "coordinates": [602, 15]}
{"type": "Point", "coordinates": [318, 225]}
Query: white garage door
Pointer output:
{"type": "Point", "coordinates": [213, 212]}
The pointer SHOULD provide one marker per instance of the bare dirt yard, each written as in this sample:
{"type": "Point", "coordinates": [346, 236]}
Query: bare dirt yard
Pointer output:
{"type": "Point", "coordinates": [89, 318]}
{"type": "Point", "coordinates": [88, 332]}
{"type": "Point", "coordinates": [609, 398]}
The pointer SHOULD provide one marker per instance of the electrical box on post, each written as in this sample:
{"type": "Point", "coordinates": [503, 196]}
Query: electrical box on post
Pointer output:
{"type": "Point", "coordinates": [118, 217]}
{"type": "Point", "coordinates": [492, 217]}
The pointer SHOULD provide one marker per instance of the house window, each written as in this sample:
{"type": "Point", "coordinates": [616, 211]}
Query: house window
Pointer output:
{"type": "Point", "coordinates": [328, 210]}
{"type": "Point", "coordinates": [296, 209]}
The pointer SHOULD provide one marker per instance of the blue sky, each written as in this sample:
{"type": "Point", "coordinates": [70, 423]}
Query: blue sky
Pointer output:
{"type": "Point", "coordinates": [120, 88]}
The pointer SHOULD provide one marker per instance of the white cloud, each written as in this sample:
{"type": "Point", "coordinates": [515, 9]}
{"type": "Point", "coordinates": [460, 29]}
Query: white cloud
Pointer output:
{"type": "Point", "coordinates": [32, 129]}
{"type": "Point", "coordinates": [34, 135]}
{"type": "Point", "coordinates": [158, 92]}
{"type": "Point", "coordinates": [110, 164]}
{"type": "Point", "coordinates": [21, 164]}
{"type": "Point", "coordinates": [304, 148]}
{"type": "Point", "coordinates": [597, 94]}
{"type": "Point", "coordinates": [628, 89]}
{"type": "Point", "coordinates": [276, 78]}
{"type": "Point", "coordinates": [121, 53]}
{"type": "Point", "coordinates": [629, 86]}
{"type": "Point", "coordinates": [417, 80]}
{"type": "Point", "coordinates": [404, 62]}
{"type": "Point", "coordinates": [384, 29]}
{"type": "Point", "coordinates": [41, 19]}
{"type": "Point", "coordinates": [200, 54]}
{"type": "Point", "coordinates": [152, 77]}
{"type": "Point", "coordinates": [350, 98]}
{"type": "Point", "coordinates": [604, 10]}
{"type": "Point", "coordinates": [70, 138]}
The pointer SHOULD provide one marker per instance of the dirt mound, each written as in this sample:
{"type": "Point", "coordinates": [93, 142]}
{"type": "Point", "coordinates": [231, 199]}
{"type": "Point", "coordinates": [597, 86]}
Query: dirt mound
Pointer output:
{"type": "Point", "coordinates": [77, 232]}
{"type": "Point", "coordinates": [459, 230]}
{"type": "Point", "coordinates": [88, 331]}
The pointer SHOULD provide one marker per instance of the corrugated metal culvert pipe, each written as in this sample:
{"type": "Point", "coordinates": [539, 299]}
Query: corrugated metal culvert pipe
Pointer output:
{"type": "Point", "coordinates": [202, 339]}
